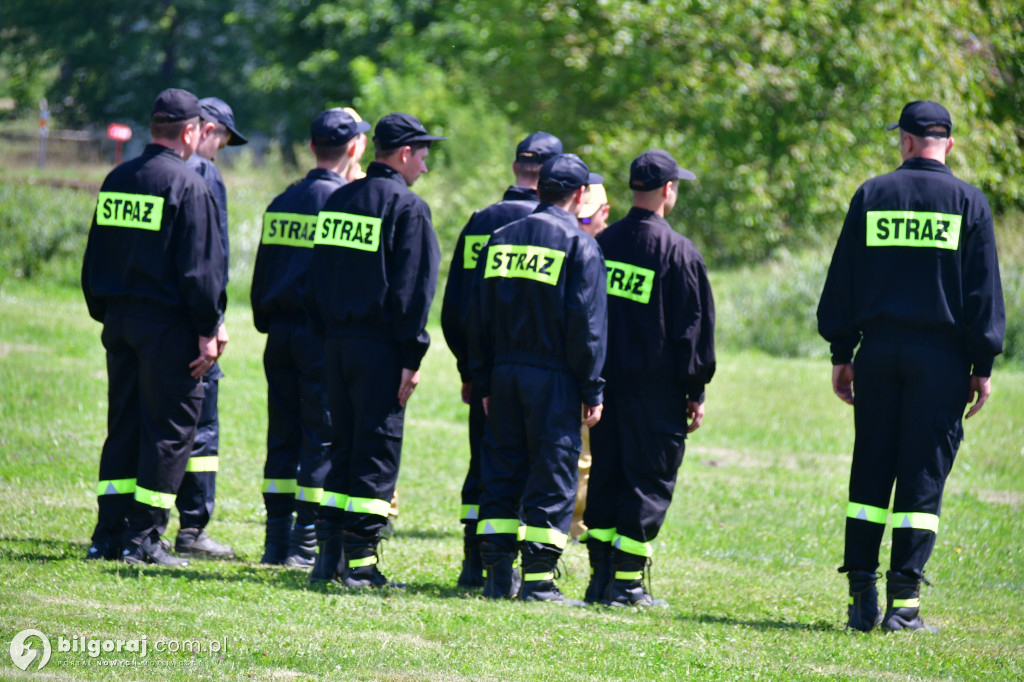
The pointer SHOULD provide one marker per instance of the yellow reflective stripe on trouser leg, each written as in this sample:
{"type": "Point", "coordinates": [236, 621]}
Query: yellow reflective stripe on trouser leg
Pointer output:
{"type": "Point", "coordinates": [498, 527]}
{"type": "Point", "coordinates": [284, 486]}
{"type": "Point", "coordinates": [469, 512]}
{"type": "Point", "coordinates": [916, 520]}
{"type": "Point", "coordinates": [332, 499]}
{"type": "Point", "coordinates": [599, 534]}
{"type": "Point", "coordinates": [865, 512]}
{"type": "Point", "coordinates": [907, 603]}
{"type": "Point", "coordinates": [201, 464]}
{"type": "Point", "coordinates": [154, 498]}
{"type": "Point", "coordinates": [117, 486]}
{"type": "Point", "coordinates": [547, 536]}
{"type": "Point", "coordinates": [631, 546]}
{"type": "Point", "coordinates": [368, 505]}
{"type": "Point", "coordinates": [312, 495]}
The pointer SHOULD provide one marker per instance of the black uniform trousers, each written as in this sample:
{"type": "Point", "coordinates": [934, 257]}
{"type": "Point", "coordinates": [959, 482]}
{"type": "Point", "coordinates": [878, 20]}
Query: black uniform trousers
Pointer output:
{"type": "Point", "coordinates": [529, 460]}
{"type": "Point", "coordinates": [470, 512]}
{"type": "Point", "coordinates": [153, 409]}
{"type": "Point", "coordinates": [637, 449]}
{"type": "Point", "coordinates": [908, 407]}
{"type": "Point", "coordinates": [198, 490]}
{"type": "Point", "coordinates": [299, 423]}
{"type": "Point", "coordinates": [363, 375]}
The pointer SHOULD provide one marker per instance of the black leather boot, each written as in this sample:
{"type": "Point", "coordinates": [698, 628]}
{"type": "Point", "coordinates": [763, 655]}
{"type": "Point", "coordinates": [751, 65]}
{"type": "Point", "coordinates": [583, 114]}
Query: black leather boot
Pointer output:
{"type": "Point", "coordinates": [903, 603]}
{"type": "Point", "coordinates": [301, 547]}
{"type": "Point", "coordinates": [863, 610]}
{"type": "Point", "coordinates": [330, 560]}
{"type": "Point", "coordinates": [600, 570]}
{"type": "Point", "coordinates": [361, 563]}
{"type": "Point", "coordinates": [539, 574]}
{"type": "Point", "coordinates": [472, 574]}
{"type": "Point", "coordinates": [275, 548]}
{"type": "Point", "coordinates": [501, 579]}
{"type": "Point", "coordinates": [627, 585]}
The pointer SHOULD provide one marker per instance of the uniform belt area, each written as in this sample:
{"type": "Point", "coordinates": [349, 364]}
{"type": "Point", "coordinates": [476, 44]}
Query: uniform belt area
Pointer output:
{"type": "Point", "coordinates": [933, 337]}
{"type": "Point", "coordinates": [378, 332]}
{"type": "Point", "coordinates": [532, 359]}
{"type": "Point", "coordinates": [149, 310]}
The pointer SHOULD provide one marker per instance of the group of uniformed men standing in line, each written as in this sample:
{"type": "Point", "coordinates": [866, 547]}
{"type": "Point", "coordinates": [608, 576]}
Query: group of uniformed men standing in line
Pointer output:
{"type": "Point", "coordinates": [554, 324]}
{"type": "Point", "coordinates": [343, 282]}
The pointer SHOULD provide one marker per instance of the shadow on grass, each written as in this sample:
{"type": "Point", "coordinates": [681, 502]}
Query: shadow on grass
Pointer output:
{"type": "Point", "coordinates": [762, 625]}
{"type": "Point", "coordinates": [36, 549]}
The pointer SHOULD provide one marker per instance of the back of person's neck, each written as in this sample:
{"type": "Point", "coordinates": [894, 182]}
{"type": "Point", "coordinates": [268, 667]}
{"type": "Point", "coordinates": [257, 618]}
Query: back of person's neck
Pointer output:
{"type": "Point", "coordinates": [176, 146]}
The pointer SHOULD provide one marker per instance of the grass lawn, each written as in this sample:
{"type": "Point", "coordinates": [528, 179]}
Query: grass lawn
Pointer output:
{"type": "Point", "coordinates": [746, 559]}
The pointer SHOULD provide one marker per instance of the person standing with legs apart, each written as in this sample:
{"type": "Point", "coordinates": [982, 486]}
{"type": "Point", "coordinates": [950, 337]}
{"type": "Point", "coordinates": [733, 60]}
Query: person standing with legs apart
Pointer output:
{"type": "Point", "coordinates": [196, 497]}
{"type": "Point", "coordinates": [519, 201]}
{"type": "Point", "coordinates": [298, 424]}
{"type": "Point", "coordinates": [537, 336]}
{"type": "Point", "coordinates": [372, 279]}
{"type": "Point", "coordinates": [661, 354]}
{"type": "Point", "coordinates": [914, 282]}
{"type": "Point", "coordinates": [153, 274]}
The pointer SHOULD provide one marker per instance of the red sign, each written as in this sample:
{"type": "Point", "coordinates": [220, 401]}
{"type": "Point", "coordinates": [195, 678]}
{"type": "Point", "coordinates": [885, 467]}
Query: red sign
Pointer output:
{"type": "Point", "coordinates": [119, 132]}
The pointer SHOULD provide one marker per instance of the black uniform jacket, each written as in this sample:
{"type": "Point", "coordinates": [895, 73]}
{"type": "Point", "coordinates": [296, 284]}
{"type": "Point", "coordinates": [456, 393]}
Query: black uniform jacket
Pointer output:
{"type": "Point", "coordinates": [517, 203]}
{"type": "Point", "coordinates": [375, 263]}
{"type": "Point", "coordinates": [661, 314]}
{"type": "Point", "coordinates": [917, 254]}
{"type": "Point", "coordinates": [539, 299]}
{"type": "Point", "coordinates": [153, 247]}
{"type": "Point", "coordinates": [281, 272]}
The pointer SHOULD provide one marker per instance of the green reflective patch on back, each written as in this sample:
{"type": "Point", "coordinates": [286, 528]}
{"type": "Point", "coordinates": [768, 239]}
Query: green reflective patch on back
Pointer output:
{"type": "Point", "coordinates": [139, 211]}
{"type": "Point", "coordinates": [348, 230]}
{"type": "Point", "coordinates": [537, 263]}
{"type": "Point", "coordinates": [629, 281]}
{"type": "Point", "coordinates": [914, 228]}
{"type": "Point", "coordinates": [289, 229]}
{"type": "Point", "coordinates": [471, 251]}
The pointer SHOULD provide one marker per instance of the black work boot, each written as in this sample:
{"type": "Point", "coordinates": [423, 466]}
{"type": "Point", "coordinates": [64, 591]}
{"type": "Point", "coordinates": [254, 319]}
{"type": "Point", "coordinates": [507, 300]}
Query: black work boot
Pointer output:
{"type": "Point", "coordinates": [151, 551]}
{"type": "Point", "coordinates": [330, 559]}
{"type": "Point", "coordinates": [275, 548]}
{"type": "Point", "coordinates": [539, 574]}
{"type": "Point", "coordinates": [104, 550]}
{"type": "Point", "coordinates": [863, 610]}
{"type": "Point", "coordinates": [302, 547]}
{"type": "Point", "coordinates": [501, 579]}
{"type": "Point", "coordinates": [361, 563]}
{"type": "Point", "coordinates": [627, 585]}
{"type": "Point", "coordinates": [472, 574]}
{"type": "Point", "coordinates": [600, 570]}
{"type": "Point", "coordinates": [903, 603]}
{"type": "Point", "coordinates": [195, 542]}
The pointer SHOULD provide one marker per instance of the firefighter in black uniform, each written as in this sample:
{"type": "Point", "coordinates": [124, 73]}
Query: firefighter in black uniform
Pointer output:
{"type": "Point", "coordinates": [298, 425]}
{"type": "Point", "coordinates": [373, 276]}
{"type": "Point", "coordinates": [914, 281]}
{"type": "Point", "coordinates": [153, 274]}
{"type": "Point", "coordinates": [519, 201]}
{"type": "Point", "coordinates": [197, 495]}
{"type": "Point", "coordinates": [661, 354]}
{"type": "Point", "coordinates": [536, 346]}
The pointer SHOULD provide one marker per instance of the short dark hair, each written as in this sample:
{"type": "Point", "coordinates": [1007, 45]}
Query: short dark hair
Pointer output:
{"type": "Point", "coordinates": [161, 129]}
{"type": "Point", "coordinates": [330, 153]}
{"type": "Point", "coordinates": [413, 146]}
{"type": "Point", "coordinates": [528, 170]}
{"type": "Point", "coordinates": [554, 195]}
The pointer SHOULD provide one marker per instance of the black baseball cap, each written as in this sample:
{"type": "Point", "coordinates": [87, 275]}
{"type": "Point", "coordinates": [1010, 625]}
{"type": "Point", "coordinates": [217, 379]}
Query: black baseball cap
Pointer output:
{"type": "Point", "coordinates": [538, 147]}
{"type": "Point", "coordinates": [175, 104]}
{"type": "Point", "coordinates": [213, 109]}
{"type": "Point", "coordinates": [335, 127]}
{"type": "Point", "coordinates": [566, 172]}
{"type": "Point", "coordinates": [653, 169]}
{"type": "Point", "coordinates": [920, 115]}
{"type": "Point", "coordinates": [397, 130]}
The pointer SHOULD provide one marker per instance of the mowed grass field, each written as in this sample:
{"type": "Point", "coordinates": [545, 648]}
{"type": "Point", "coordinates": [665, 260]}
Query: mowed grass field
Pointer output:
{"type": "Point", "coordinates": [747, 557]}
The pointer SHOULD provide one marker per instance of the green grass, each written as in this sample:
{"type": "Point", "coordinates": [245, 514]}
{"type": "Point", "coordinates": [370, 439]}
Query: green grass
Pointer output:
{"type": "Point", "coordinates": [746, 559]}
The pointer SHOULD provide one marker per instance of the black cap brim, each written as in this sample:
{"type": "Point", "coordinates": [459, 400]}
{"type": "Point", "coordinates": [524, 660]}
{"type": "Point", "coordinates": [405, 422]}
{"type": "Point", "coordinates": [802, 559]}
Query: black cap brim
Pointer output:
{"type": "Point", "coordinates": [237, 138]}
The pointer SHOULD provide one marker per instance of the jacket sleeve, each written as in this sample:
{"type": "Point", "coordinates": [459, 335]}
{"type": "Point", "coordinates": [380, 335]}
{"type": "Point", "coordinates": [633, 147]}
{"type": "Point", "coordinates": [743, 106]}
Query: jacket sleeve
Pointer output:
{"type": "Point", "coordinates": [479, 335]}
{"type": "Point", "coordinates": [454, 308]}
{"type": "Point", "coordinates": [256, 293]}
{"type": "Point", "coordinates": [836, 311]}
{"type": "Point", "coordinates": [97, 309]}
{"type": "Point", "coordinates": [586, 301]}
{"type": "Point", "coordinates": [692, 316]}
{"type": "Point", "coordinates": [202, 278]}
{"type": "Point", "coordinates": [984, 310]}
{"type": "Point", "coordinates": [412, 277]}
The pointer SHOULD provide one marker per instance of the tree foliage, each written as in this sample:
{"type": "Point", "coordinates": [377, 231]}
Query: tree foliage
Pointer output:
{"type": "Point", "coordinates": [779, 107]}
